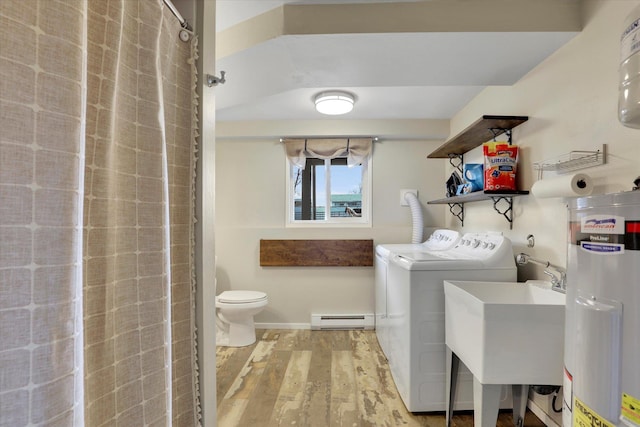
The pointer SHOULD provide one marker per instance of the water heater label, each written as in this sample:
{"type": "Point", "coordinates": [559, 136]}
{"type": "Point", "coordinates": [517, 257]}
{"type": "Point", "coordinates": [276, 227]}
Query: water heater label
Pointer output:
{"type": "Point", "coordinates": [567, 398]}
{"type": "Point", "coordinates": [604, 224]}
{"type": "Point", "coordinates": [602, 248]}
{"type": "Point", "coordinates": [630, 410]}
{"type": "Point", "coordinates": [583, 416]}
{"type": "Point", "coordinates": [606, 234]}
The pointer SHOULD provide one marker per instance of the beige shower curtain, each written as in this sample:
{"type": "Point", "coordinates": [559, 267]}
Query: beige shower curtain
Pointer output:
{"type": "Point", "coordinates": [97, 131]}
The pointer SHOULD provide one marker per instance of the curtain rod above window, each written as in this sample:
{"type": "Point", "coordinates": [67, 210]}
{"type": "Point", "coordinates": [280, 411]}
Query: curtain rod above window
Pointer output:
{"type": "Point", "coordinates": [355, 149]}
{"type": "Point", "coordinates": [174, 10]}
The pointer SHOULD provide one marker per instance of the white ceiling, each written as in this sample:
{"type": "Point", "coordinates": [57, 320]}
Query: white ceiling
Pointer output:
{"type": "Point", "coordinates": [394, 74]}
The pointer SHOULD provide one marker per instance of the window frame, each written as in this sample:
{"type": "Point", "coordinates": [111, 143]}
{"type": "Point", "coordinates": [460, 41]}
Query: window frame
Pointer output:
{"type": "Point", "coordinates": [338, 222]}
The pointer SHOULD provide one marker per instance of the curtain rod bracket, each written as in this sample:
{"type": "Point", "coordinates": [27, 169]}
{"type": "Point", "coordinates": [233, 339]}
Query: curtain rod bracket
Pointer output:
{"type": "Point", "coordinates": [215, 80]}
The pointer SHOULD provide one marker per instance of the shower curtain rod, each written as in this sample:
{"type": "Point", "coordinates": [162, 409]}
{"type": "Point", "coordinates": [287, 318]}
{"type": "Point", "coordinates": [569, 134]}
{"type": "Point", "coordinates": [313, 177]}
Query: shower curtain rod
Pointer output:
{"type": "Point", "coordinates": [183, 22]}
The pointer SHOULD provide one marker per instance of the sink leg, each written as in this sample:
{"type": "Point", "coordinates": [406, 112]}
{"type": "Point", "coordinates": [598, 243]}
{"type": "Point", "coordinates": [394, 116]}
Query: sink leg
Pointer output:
{"type": "Point", "coordinates": [486, 403]}
{"type": "Point", "coordinates": [452, 362]}
{"type": "Point", "coordinates": [520, 394]}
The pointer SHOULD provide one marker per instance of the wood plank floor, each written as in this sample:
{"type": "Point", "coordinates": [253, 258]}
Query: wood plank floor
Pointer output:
{"type": "Point", "coordinates": [318, 379]}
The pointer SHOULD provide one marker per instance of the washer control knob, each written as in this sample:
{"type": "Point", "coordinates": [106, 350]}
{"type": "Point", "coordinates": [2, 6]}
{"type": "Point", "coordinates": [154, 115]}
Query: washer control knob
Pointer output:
{"type": "Point", "coordinates": [491, 246]}
{"type": "Point", "coordinates": [484, 245]}
{"type": "Point", "coordinates": [475, 243]}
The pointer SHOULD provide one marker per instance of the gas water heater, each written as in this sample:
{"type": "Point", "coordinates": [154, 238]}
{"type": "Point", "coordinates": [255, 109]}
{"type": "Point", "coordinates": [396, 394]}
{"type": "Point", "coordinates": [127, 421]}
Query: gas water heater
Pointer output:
{"type": "Point", "coordinates": [602, 324]}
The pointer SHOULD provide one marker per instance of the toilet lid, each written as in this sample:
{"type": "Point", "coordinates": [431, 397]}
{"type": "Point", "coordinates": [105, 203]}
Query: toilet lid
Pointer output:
{"type": "Point", "coordinates": [231, 297]}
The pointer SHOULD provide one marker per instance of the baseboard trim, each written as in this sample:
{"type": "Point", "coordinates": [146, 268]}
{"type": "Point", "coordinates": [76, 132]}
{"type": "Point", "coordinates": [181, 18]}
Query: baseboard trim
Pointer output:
{"type": "Point", "coordinates": [283, 325]}
{"type": "Point", "coordinates": [543, 416]}
{"type": "Point", "coordinates": [360, 321]}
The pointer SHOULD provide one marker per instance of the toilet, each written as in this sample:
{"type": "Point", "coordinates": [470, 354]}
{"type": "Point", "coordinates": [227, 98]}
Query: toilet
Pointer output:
{"type": "Point", "coordinates": [234, 317]}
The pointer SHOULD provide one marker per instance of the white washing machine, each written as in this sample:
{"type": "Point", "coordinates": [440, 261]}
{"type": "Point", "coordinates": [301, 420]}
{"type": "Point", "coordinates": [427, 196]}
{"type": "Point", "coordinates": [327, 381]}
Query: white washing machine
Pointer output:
{"type": "Point", "coordinates": [415, 304]}
{"type": "Point", "coordinates": [439, 240]}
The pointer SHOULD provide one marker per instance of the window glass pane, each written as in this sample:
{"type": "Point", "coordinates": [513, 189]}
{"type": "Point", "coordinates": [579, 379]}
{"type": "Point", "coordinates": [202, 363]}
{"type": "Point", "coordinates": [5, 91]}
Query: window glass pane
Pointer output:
{"type": "Point", "coordinates": [346, 190]}
{"type": "Point", "coordinates": [329, 192]}
{"type": "Point", "coordinates": [296, 179]}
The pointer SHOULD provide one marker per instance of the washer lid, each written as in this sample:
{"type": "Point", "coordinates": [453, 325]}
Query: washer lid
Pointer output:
{"type": "Point", "coordinates": [436, 263]}
{"type": "Point", "coordinates": [238, 297]}
{"type": "Point", "coordinates": [386, 250]}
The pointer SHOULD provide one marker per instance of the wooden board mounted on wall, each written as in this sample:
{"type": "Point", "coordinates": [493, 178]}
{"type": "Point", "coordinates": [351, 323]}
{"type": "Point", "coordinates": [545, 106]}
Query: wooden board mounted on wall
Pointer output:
{"type": "Point", "coordinates": [316, 253]}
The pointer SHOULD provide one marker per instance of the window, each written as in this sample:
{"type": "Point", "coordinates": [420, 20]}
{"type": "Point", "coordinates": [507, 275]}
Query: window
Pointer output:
{"type": "Point", "coordinates": [328, 191]}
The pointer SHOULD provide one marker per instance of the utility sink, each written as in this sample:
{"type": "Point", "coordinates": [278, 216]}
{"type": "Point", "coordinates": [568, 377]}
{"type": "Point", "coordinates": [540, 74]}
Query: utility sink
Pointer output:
{"type": "Point", "coordinates": [506, 333]}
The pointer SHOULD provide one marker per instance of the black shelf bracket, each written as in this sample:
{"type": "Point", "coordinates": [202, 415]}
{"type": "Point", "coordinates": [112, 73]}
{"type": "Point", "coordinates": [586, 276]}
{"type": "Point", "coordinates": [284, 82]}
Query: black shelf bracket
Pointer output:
{"type": "Point", "coordinates": [456, 160]}
{"type": "Point", "coordinates": [507, 211]}
{"type": "Point", "coordinates": [499, 131]}
{"type": "Point", "coordinates": [457, 210]}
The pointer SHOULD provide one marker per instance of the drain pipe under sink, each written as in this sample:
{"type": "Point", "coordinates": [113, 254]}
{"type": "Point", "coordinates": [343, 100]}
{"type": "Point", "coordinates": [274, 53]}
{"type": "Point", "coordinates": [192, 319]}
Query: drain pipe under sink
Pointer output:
{"type": "Point", "coordinates": [416, 217]}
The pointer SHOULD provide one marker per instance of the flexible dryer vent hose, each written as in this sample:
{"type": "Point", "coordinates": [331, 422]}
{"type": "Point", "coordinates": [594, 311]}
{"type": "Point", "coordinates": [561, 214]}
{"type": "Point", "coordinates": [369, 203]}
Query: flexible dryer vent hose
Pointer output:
{"type": "Point", "coordinates": [416, 217]}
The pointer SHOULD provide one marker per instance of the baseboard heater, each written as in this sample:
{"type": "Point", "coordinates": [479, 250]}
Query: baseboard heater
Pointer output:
{"type": "Point", "coordinates": [341, 321]}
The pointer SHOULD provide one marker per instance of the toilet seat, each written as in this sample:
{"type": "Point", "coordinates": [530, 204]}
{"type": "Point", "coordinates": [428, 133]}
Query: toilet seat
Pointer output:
{"type": "Point", "coordinates": [241, 297]}
{"type": "Point", "coordinates": [234, 317]}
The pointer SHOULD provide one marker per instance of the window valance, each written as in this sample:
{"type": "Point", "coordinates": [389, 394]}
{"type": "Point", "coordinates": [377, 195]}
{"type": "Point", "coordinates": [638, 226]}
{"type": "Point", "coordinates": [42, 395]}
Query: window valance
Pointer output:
{"type": "Point", "coordinates": [355, 149]}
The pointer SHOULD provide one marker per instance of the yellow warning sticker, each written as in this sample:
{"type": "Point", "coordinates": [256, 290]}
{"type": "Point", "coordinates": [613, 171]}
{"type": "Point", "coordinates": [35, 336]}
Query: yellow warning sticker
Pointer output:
{"type": "Point", "coordinates": [583, 416]}
{"type": "Point", "coordinates": [630, 410]}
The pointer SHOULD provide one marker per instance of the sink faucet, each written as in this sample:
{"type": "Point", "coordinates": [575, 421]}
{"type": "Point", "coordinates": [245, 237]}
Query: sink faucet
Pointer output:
{"type": "Point", "coordinates": [558, 274]}
{"type": "Point", "coordinates": [559, 282]}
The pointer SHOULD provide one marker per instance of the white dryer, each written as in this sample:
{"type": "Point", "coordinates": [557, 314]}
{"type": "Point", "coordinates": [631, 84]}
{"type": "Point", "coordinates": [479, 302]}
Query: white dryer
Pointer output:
{"type": "Point", "coordinates": [439, 240]}
{"type": "Point", "coordinates": [415, 304]}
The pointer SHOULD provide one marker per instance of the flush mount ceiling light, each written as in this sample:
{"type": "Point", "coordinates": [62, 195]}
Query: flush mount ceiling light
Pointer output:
{"type": "Point", "coordinates": [334, 102]}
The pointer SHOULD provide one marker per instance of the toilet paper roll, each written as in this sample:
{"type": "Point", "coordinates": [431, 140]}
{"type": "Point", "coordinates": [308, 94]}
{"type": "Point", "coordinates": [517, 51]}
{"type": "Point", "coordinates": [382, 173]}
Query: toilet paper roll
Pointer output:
{"type": "Point", "coordinates": [576, 185]}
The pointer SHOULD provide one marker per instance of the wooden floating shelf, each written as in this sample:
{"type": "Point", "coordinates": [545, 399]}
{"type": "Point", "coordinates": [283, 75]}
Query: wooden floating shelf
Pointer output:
{"type": "Point", "coordinates": [316, 253]}
{"type": "Point", "coordinates": [486, 128]}
{"type": "Point", "coordinates": [482, 130]}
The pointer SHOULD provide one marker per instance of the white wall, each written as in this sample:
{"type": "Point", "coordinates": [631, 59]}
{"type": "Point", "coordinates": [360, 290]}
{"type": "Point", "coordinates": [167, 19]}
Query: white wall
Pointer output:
{"type": "Point", "coordinates": [250, 205]}
{"type": "Point", "coordinates": [571, 101]}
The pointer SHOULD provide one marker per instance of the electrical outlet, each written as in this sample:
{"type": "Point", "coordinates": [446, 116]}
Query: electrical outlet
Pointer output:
{"type": "Point", "coordinates": [403, 202]}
